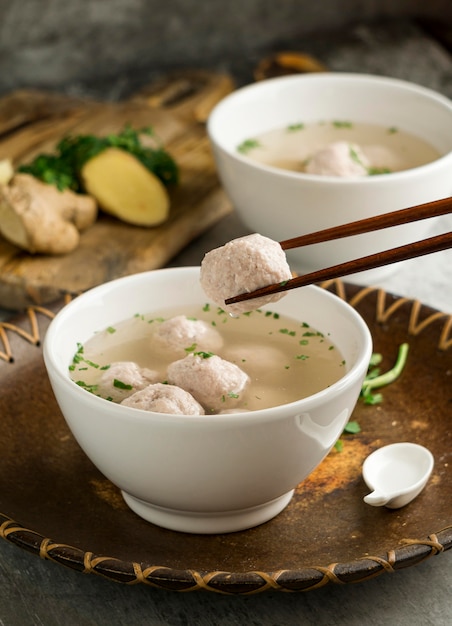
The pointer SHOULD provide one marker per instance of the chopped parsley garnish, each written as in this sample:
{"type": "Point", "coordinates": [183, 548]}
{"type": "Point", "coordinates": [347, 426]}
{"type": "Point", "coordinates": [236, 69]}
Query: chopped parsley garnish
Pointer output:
{"type": "Point", "coordinates": [203, 355]}
{"type": "Point", "coordinates": [90, 388]}
{"type": "Point", "coordinates": [294, 127]}
{"type": "Point", "coordinates": [119, 384]}
{"type": "Point", "coordinates": [111, 330]}
{"type": "Point", "coordinates": [248, 145]}
{"type": "Point", "coordinates": [373, 380]}
{"type": "Point", "coordinates": [342, 124]}
{"type": "Point", "coordinates": [376, 171]}
{"type": "Point", "coordinates": [286, 331]}
{"type": "Point", "coordinates": [352, 428]}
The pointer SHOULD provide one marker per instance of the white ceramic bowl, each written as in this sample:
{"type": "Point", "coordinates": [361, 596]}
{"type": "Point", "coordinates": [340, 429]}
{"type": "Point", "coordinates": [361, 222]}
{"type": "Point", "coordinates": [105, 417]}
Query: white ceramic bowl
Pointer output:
{"type": "Point", "coordinates": [282, 204]}
{"type": "Point", "coordinates": [203, 474]}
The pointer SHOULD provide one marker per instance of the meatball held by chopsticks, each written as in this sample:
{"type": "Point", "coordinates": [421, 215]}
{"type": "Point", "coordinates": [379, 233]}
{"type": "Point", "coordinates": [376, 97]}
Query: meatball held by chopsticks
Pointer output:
{"type": "Point", "coordinates": [243, 265]}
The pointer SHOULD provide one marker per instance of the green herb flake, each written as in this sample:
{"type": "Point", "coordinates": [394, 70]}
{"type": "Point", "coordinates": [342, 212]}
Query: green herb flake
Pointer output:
{"type": "Point", "coordinates": [372, 398]}
{"type": "Point", "coordinates": [352, 428]}
{"type": "Point", "coordinates": [92, 364]}
{"type": "Point", "coordinates": [206, 307]}
{"type": "Point", "coordinates": [342, 124]}
{"type": "Point", "coordinates": [90, 388]}
{"type": "Point", "coordinates": [355, 156]}
{"type": "Point", "coordinates": [286, 331]}
{"type": "Point", "coordinates": [248, 145]}
{"type": "Point", "coordinates": [302, 357]}
{"type": "Point", "coordinates": [392, 130]}
{"type": "Point", "coordinates": [119, 384]}
{"type": "Point", "coordinates": [111, 330]}
{"type": "Point", "coordinates": [203, 355]}
{"type": "Point", "coordinates": [377, 171]}
{"type": "Point", "coordinates": [294, 127]}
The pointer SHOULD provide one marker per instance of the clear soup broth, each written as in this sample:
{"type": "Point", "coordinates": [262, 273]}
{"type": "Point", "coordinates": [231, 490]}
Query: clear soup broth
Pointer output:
{"type": "Point", "coordinates": [388, 149]}
{"type": "Point", "coordinates": [285, 360]}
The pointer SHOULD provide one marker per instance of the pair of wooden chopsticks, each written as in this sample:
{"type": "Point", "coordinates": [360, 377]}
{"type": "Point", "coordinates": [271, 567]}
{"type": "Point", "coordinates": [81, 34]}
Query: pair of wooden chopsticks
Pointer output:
{"type": "Point", "coordinates": [394, 255]}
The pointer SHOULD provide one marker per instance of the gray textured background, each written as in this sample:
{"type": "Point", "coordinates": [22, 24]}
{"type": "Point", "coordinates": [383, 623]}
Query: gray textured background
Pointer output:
{"type": "Point", "coordinates": [107, 47]}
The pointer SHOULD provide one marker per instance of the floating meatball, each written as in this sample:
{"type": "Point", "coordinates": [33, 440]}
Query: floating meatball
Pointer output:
{"type": "Point", "coordinates": [175, 335]}
{"type": "Point", "coordinates": [123, 378]}
{"type": "Point", "coordinates": [243, 265]}
{"type": "Point", "coordinates": [215, 383]}
{"type": "Point", "coordinates": [339, 159]}
{"type": "Point", "coordinates": [162, 398]}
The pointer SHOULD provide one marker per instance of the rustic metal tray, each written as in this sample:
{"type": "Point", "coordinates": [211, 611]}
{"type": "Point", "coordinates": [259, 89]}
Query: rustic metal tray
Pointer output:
{"type": "Point", "coordinates": [55, 504]}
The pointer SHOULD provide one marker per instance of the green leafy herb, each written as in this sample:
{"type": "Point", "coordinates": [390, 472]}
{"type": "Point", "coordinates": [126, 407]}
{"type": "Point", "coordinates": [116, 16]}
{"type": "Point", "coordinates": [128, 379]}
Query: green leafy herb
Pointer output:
{"type": "Point", "coordinates": [293, 127]}
{"type": "Point", "coordinates": [375, 380]}
{"type": "Point", "coordinates": [286, 331]}
{"type": "Point", "coordinates": [203, 355]}
{"type": "Point", "coordinates": [342, 124]}
{"type": "Point", "coordinates": [355, 156]}
{"type": "Point", "coordinates": [247, 145]}
{"type": "Point", "coordinates": [119, 384]}
{"type": "Point", "coordinates": [376, 171]}
{"type": "Point", "coordinates": [90, 388]}
{"type": "Point", "coordinates": [352, 428]}
{"type": "Point", "coordinates": [63, 168]}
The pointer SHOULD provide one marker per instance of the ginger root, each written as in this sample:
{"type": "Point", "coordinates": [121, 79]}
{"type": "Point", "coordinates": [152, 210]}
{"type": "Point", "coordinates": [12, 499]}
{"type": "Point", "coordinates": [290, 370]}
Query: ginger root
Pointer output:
{"type": "Point", "coordinates": [39, 218]}
{"type": "Point", "coordinates": [125, 188]}
{"type": "Point", "coordinates": [6, 171]}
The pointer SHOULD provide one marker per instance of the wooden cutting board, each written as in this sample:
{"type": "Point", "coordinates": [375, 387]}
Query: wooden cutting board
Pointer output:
{"type": "Point", "coordinates": [176, 106]}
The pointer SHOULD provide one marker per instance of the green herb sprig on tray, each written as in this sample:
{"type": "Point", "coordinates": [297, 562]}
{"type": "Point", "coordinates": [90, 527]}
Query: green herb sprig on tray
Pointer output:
{"type": "Point", "coordinates": [63, 168]}
{"type": "Point", "coordinates": [373, 380]}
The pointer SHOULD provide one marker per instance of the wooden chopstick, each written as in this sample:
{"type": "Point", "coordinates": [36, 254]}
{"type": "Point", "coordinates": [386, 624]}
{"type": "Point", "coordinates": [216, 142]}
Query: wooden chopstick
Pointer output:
{"type": "Point", "coordinates": [379, 259]}
{"type": "Point", "coordinates": [377, 222]}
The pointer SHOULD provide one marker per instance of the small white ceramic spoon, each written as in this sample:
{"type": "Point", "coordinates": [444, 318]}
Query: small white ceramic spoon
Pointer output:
{"type": "Point", "coordinates": [396, 473]}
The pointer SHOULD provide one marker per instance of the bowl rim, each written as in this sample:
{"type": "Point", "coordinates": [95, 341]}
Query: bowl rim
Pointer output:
{"type": "Point", "coordinates": [268, 414]}
{"type": "Point", "coordinates": [335, 77]}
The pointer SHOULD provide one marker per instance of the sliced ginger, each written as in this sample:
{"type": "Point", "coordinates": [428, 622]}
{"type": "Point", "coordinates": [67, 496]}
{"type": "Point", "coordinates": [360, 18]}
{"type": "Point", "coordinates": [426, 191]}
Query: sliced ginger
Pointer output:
{"type": "Point", "coordinates": [39, 218]}
{"type": "Point", "coordinates": [6, 171]}
{"type": "Point", "coordinates": [125, 188]}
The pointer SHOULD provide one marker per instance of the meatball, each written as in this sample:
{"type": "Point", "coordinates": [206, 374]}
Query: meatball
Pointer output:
{"type": "Point", "coordinates": [243, 265]}
{"type": "Point", "coordinates": [123, 378]}
{"type": "Point", "coordinates": [162, 398]}
{"type": "Point", "coordinates": [175, 335]}
{"type": "Point", "coordinates": [339, 159]}
{"type": "Point", "coordinates": [215, 383]}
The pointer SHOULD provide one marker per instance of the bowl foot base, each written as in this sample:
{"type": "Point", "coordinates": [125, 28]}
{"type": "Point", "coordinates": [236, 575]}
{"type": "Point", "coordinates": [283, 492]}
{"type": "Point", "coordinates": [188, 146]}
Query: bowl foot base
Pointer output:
{"type": "Point", "coordinates": [210, 522]}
